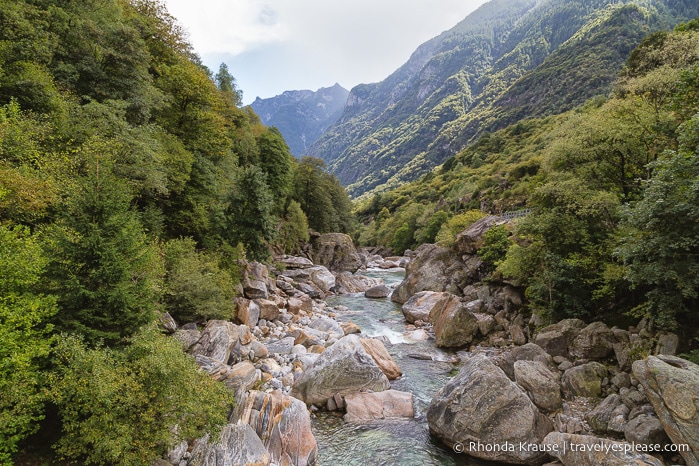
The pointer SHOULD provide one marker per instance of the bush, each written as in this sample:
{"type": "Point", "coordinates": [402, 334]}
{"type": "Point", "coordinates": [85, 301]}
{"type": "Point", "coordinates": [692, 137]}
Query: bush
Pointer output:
{"type": "Point", "coordinates": [196, 289]}
{"type": "Point", "coordinates": [455, 225]}
{"type": "Point", "coordinates": [128, 407]}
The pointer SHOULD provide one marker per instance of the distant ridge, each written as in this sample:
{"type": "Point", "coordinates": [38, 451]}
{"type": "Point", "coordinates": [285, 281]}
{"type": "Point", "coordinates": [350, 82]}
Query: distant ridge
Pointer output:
{"type": "Point", "coordinates": [302, 116]}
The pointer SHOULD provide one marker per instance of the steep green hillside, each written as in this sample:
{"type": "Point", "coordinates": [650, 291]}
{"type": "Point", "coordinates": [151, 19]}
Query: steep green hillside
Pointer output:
{"type": "Point", "coordinates": [611, 188]}
{"type": "Point", "coordinates": [509, 60]}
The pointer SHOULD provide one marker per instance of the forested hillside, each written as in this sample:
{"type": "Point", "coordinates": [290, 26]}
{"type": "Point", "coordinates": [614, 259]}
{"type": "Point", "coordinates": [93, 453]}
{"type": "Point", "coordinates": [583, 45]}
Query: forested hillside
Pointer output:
{"type": "Point", "coordinates": [612, 187]}
{"type": "Point", "coordinates": [131, 183]}
{"type": "Point", "coordinates": [510, 59]}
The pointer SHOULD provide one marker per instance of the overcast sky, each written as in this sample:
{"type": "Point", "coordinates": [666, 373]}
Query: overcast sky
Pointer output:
{"type": "Point", "coordinates": [272, 46]}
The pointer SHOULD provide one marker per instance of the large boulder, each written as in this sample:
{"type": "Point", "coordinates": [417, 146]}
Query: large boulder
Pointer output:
{"type": "Point", "coordinates": [454, 325]}
{"type": "Point", "coordinates": [336, 252]}
{"type": "Point", "coordinates": [256, 280]}
{"type": "Point", "coordinates": [419, 306]}
{"type": "Point", "coordinates": [671, 384]}
{"type": "Point", "coordinates": [239, 378]}
{"type": "Point", "coordinates": [344, 368]}
{"type": "Point", "coordinates": [585, 450]}
{"type": "Point", "coordinates": [584, 380]}
{"type": "Point", "coordinates": [247, 312]}
{"type": "Point", "coordinates": [389, 404]}
{"type": "Point", "coordinates": [318, 277]}
{"type": "Point", "coordinates": [238, 445]}
{"type": "Point", "coordinates": [283, 424]}
{"type": "Point", "coordinates": [377, 292]}
{"type": "Point", "coordinates": [347, 282]}
{"type": "Point", "coordinates": [555, 339]}
{"type": "Point", "coordinates": [437, 269]}
{"type": "Point", "coordinates": [527, 352]}
{"type": "Point", "coordinates": [471, 239]}
{"type": "Point", "coordinates": [540, 384]}
{"type": "Point", "coordinates": [482, 408]}
{"type": "Point", "coordinates": [603, 413]}
{"type": "Point", "coordinates": [222, 341]}
{"type": "Point", "coordinates": [596, 341]}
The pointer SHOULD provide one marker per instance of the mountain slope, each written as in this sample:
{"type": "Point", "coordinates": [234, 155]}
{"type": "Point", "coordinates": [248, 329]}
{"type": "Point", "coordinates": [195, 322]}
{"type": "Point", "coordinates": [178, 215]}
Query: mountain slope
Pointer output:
{"type": "Point", "coordinates": [302, 116]}
{"type": "Point", "coordinates": [508, 60]}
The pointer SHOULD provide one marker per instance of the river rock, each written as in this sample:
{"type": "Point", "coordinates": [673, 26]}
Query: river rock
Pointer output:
{"type": "Point", "coordinates": [454, 325]}
{"type": "Point", "coordinates": [239, 445]}
{"type": "Point", "coordinates": [599, 417]}
{"type": "Point", "coordinates": [667, 343]}
{"type": "Point", "coordinates": [419, 306]}
{"type": "Point", "coordinates": [167, 323]}
{"type": "Point", "coordinates": [437, 269]}
{"type": "Point", "coordinates": [350, 328]}
{"type": "Point", "coordinates": [347, 282]}
{"type": "Point", "coordinates": [317, 277]}
{"type": "Point", "coordinates": [255, 280]}
{"type": "Point", "coordinates": [247, 312]}
{"type": "Point", "coordinates": [645, 429]}
{"type": "Point", "coordinates": [294, 262]}
{"type": "Point", "coordinates": [583, 380]}
{"type": "Point", "coordinates": [300, 303]}
{"type": "Point", "coordinates": [555, 339]}
{"type": "Point", "coordinates": [239, 378]}
{"type": "Point", "coordinates": [188, 338]}
{"type": "Point", "coordinates": [221, 340]}
{"type": "Point", "coordinates": [283, 424]}
{"type": "Point", "coordinates": [330, 326]}
{"type": "Point", "coordinates": [389, 404]}
{"type": "Point", "coordinates": [376, 292]}
{"type": "Point", "coordinates": [376, 349]}
{"type": "Point", "coordinates": [527, 352]}
{"type": "Point", "coordinates": [596, 341]}
{"type": "Point", "coordinates": [336, 252]}
{"type": "Point", "coordinates": [671, 384]}
{"type": "Point", "coordinates": [268, 309]}
{"type": "Point", "coordinates": [585, 450]}
{"type": "Point", "coordinates": [344, 368]}
{"type": "Point", "coordinates": [482, 406]}
{"type": "Point", "coordinates": [540, 384]}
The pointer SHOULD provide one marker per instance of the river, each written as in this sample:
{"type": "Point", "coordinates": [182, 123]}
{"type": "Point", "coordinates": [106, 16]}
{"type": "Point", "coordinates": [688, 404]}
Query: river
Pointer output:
{"type": "Point", "coordinates": [384, 443]}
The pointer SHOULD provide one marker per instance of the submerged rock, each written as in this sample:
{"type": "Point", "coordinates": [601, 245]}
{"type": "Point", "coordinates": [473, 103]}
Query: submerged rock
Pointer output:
{"type": "Point", "coordinates": [389, 404]}
{"type": "Point", "coordinates": [377, 292]}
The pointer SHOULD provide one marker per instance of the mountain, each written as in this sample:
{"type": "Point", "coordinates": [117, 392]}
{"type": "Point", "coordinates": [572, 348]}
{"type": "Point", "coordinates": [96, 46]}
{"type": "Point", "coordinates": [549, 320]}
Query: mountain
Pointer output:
{"type": "Point", "coordinates": [302, 116]}
{"type": "Point", "coordinates": [508, 60]}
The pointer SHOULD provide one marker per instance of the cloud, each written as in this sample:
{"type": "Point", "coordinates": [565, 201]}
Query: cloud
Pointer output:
{"type": "Point", "coordinates": [273, 45]}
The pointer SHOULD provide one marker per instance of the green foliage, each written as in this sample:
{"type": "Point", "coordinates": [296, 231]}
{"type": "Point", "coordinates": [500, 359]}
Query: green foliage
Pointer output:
{"type": "Point", "coordinates": [455, 225]}
{"type": "Point", "coordinates": [249, 213]}
{"type": "Point", "coordinates": [25, 338]}
{"type": "Point", "coordinates": [660, 242]}
{"type": "Point", "coordinates": [496, 243]}
{"type": "Point", "coordinates": [294, 228]}
{"type": "Point", "coordinates": [277, 163]}
{"type": "Point", "coordinates": [195, 288]}
{"type": "Point", "coordinates": [127, 407]}
{"type": "Point", "coordinates": [322, 198]}
{"type": "Point", "coordinates": [103, 270]}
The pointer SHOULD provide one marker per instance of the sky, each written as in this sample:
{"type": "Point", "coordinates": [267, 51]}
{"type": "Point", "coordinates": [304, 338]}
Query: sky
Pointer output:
{"type": "Point", "coordinates": [271, 46]}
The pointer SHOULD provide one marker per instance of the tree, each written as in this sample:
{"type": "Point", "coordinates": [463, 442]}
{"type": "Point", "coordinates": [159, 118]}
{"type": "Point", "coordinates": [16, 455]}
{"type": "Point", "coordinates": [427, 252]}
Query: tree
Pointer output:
{"type": "Point", "coordinates": [294, 228]}
{"type": "Point", "coordinates": [195, 288]}
{"type": "Point", "coordinates": [102, 269]}
{"type": "Point", "coordinates": [25, 337]}
{"type": "Point", "coordinates": [249, 213]}
{"type": "Point", "coordinates": [276, 161]}
{"type": "Point", "coordinates": [660, 240]}
{"type": "Point", "coordinates": [226, 84]}
{"type": "Point", "coordinates": [129, 406]}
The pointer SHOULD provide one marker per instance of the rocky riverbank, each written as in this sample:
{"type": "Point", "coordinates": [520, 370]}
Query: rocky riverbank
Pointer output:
{"type": "Point", "coordinates": [525, 394]}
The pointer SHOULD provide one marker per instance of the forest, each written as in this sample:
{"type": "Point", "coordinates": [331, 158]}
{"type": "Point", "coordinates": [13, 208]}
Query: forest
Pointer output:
{"type": "Point", "coordinates": [131, 183]}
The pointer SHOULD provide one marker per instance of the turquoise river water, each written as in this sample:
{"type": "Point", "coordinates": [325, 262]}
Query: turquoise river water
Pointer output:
{"type": "Point", "coordinates": [384, 443]}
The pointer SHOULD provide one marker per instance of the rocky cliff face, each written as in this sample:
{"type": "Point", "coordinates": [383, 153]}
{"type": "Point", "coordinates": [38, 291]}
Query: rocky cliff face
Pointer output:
{"type": "Point", "coordinates": [302, 116]}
